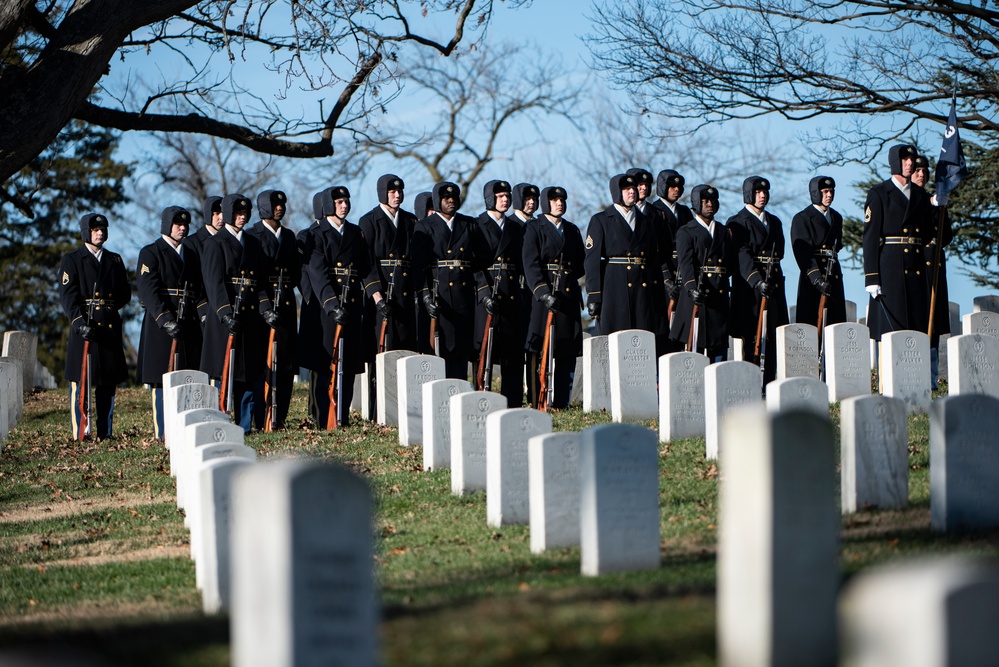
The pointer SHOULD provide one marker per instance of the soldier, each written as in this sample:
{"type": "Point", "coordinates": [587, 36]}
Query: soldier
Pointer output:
{"type": "Point", "coordinates": [422, 208]}
{"type": "Point", "coordinates": [941, 306]}
{"type": "Point", "coordinates": [664, 241]}
{"type": "Point", "coordinates": [448, 249]}
{"type": "Point", "coordinates": [623, 272]}
{"type": "Point", "coordinates": [816, 237]}
{"type": "Point", "coordinates": [759, 237]}
{"type": "Point", "coordinates": [524, 201]}
{"type": "Point", "coordinates": [310, 328]}
{"type": "Point", "coordinates": [897, 226]}
{"type": "Point", "coordinates": [499, 291]}
{"type": "Point", "coordinates": [554, 254]}
{"type": "Point", "coordinates": [94, 288]}
{"type": "Point", "coordinates": [194, 248]}
{"type": "Point", "coordinates": [280, 271]}
{"type": "Point", "coordinates": [169, 290]}
{"type": "Point", "coordinates": [707, 259]}
{"type": "Point", "coordinates": [339, 258]}
{"type": "Point", "coordinates": [239, 309]}
{"type": "Point", "coordinates": [669, 188]}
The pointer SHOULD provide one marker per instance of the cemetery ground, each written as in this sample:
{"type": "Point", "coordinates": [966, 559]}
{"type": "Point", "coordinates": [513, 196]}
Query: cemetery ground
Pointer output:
{"type": "Point", "coordinates": [94, 553]}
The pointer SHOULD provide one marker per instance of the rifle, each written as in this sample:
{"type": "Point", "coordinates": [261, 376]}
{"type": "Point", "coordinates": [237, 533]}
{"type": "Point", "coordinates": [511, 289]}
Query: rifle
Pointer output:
{"type": "Point", "coordinates": [822, 299]}
{"type": "Point", "coordinates": [336, 365]}
{"type": "Point", "coordinates": [174, 353]}
{"type": "Point", "coordinates": [435, 335]}
{"type": "Point", "coordinates": [694, 317]}
{"type": "Point", "coordinates": [271, 381]}
{"type": "Point", "coordinates": [484, 376]}
{"type": "Point", "coordinates": [229, 363]}
{"type": "Point", "coordinates": [761, 324]}
{"type": "Point", "coordinates": [85, 380]}
{"type": "Point", "coordinates": [546, 392]}
{"type": "Point", "coordinates": [388, 296]}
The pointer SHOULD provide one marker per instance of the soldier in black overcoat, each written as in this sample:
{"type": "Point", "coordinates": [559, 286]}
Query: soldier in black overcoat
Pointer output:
{"type": "Point", "coordinates": [499, 291]}
{"type": "Point", "coordinates": [669, 189]}
{"type": "Point", "coordinates": [339, 261]}
{"type": "Point", "coordinates": [93, 288]}
{"type": "Point", "coordinates": [554, 253]}
{"type": "Point", "coordinates": [664, 242]}
{"type": "Point", "coordinates": [759, 237]}
{"type": "Point", "coordinates": [310, 328]}
{"type": "Point", "coordinates": [816, 237]}
{"type": "Point", "coordinates": [897, 226]}
{"type": "Point", "coordinates": [448, 249]}
{"type": "Point", "coordinates": [941, 308]}
{"type": "Point", "coordinates": [623, 271]}
{"type": "Point", "coordinates": [168, 283]}
{"type": "Point", "coordinates": [524, 201]}
{"type": "Point", "coordinates": [280, 270]}
{"type": "Point", "coordinates": [194, 250]}
{"type": "Point", "coordinates": [708, 258]}
{"type": "Point", "coordinates": [423, 206]}
{"type": "Point", "coordinates": [238, 305]}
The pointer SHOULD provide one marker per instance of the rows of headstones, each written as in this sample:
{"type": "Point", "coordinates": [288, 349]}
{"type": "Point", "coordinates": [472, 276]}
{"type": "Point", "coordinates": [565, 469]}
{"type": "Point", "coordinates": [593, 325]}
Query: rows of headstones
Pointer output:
{"type": "Point", "coordinates": [20, 371]}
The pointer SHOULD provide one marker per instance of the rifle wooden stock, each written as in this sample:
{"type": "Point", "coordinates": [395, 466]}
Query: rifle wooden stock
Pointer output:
{"type": "Point", "coordinates": [382, 335]}
{"type": "Point", "coordinates": [819, 322]}
{"type": "Point", "coordinates": [484, 353]}
{"type": "Point", "coordinates": [759, 328]}
{"type": "Point", "coordinates": [83, 404]}
{"type": "Point", "coordinates": [270, 404]}
{"type": "Point", "coordinates": [691, 343]}
{"type": "Point", "coordinates": [332, 419]}
{"type": "Point", "coordinates": [226, 371]}
{"type": "Point", "coordinates": [435, 336]}
{"type": "Point", "coordinates": [172, 363]}
{"type": "Point", "coordinates": [669, 312]}
{"type": "Point", "coordinates": [546, 346]}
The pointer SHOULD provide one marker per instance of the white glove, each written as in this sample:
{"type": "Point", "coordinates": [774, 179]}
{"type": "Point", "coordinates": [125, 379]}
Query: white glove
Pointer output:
{"type": "Point", "coordinates": [874, 291]}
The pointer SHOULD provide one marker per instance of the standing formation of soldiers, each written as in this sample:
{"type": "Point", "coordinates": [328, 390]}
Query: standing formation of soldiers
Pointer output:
{"type": "Point", "coordinates": [503, 288]}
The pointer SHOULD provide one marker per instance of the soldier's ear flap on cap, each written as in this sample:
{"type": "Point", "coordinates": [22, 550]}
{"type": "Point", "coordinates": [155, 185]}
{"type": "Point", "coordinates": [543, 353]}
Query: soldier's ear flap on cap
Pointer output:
{"type": "Point", "coordinates": [896, 154]}
{"type": "Point", "coordinates": [668, 178]}
{"type": "Point", "coordinates": [548, 195]}
{"type": "Point", "coordinates": [751, 185]}
{"type": "Point", "coordinates": [388, 182]}
{"type": "Point", "coordinates": [91, 221]}
{"type": "Point", "coordinates": [211, 205]}
{"type": "Point", "coordinates": [265, 205]}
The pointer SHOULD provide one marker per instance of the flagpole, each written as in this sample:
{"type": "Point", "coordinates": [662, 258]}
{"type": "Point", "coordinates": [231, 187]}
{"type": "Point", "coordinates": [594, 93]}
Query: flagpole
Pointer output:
{"type": "Point", "coordinates": [936, 270]}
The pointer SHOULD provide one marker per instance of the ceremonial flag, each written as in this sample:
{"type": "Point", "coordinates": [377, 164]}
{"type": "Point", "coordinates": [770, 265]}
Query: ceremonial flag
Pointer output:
{"type": "Point", "coordinates": [951, 167]}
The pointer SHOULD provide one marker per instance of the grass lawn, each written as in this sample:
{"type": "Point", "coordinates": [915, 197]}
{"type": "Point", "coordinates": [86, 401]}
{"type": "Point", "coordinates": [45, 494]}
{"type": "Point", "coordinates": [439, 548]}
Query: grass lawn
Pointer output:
{"type": "Point", "coordinates": [93, 553]}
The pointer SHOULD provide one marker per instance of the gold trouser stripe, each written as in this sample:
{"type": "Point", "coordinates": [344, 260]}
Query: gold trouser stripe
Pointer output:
{"type": "Point", "coordinates": [74, 422]}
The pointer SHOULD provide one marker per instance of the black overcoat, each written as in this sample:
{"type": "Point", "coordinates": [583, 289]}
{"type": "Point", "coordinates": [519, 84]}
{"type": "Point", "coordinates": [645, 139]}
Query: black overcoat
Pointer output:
{"type": "Point", "coordinates": [811, 237]}
{"type": "Point", "coordinates": [195, 243]}
{"type": "Point", "coordinates": [697, 248]}
{"type": "Point", "coordinates": [545, 246]}
{"type": "Point", "coordinates": [280, 252]}
{"type": "Point", "coordinates": [310, 327]}
{"type": "Point", "coordinates": [505, 250]}
{"type": "Point", "coordinates": [754, 241]}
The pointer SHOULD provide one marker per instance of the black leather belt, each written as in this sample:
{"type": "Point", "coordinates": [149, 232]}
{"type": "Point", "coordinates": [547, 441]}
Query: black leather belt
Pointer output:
{"type": "Point", "coordinates": [343, 272]}
{"type": "Point", "coordinates": [630, 261]}
{"type": "Point", "coordinates": [453, 264]}
{"type": "Point", "coordinates": [177, 292]}
{"type": "Point", "coordinates": [902, 240]}
{"type": "Point", "coordinates": [766, 259]}
{"type": "Point", "coordinates": [393, 262]}
{"type": "Point", "coordinates": [503, 266]}
{"type": "Point", "coordinates": [553, 267]}
{"type": "Point", "coordinates": [714, 270]}
{"type": "Point", "coordinates": [245, 282]}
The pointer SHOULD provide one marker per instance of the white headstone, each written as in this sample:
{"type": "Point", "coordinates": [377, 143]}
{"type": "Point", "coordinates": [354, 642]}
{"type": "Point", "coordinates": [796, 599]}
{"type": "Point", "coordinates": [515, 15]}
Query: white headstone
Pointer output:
{"type": "Point", "coordinates": [792, 316]}
{"type": "Point", "coordinates": [681, 395]}
{"type": "Point", "coordinates": [981, 321]}
{"type": "Point", "coordinates": [507, 478]}
{"type": "Point", "coordinates": [170, 382]}
{"type": "Point", "coordinates": [7, 388]}
{"type": "Point", "coordinates": [619, 499]}
{"type": "Point", "coordinates": [632, 355]}
{"type": "Point", "coordinates": [728, 384]}
{"type": "Point", "coordinates": [387, 385]}
{"type": "Point", "coordinates": [799, 393]}
{"type": "Point", "coordinates": [955, 318]}
{"type": "Point", "coordinates": [23, 346]}
{"type": "Point", "coordinates": [874, 453]}
{"type": "Point", "coordinates": [43, 377]}
{"type": "Point", "coordinates": [851, 311]}
{"type": "Point", "coordinates": [184, 397]}
{"type": "Point", "coordinates": [964, 462]}
{"type": "Point", "coordinates": [413, 372]}
{"type": "Point", "coordinates": [905, 368]}
{"type": "Point", "coordinates": [576, 395]}
{"type": "Point", "coordinates": [596, 374]}
{"type": "Point", "coordinates": [212, 565]}
{"type": "Point", "coordinates": [777, 540]}
{"type": "Point", "coordinates": [15, 390]}
{"type": "Point", "coordinates": [437, 422]}
{"type": "Point", "coordinates": [302, 567]}
{"type": "Point", "coordinates": [198, 435]}
{"type": "Point", "coordinates": [797, 351]}
{"type": "Point", "coordinates": [355, 401]}
{"type": "Point", "coordinates": [847, 354]}
{"type": "Point", "coordinates": [196, 508]}
{"type": "Point", "coordinates": [554, 490]}
{"type": "Point", "coordinates": [943, 360]}
{"type": "Point", "coordinates": [735, 351]}
{"type": "Point", "coordinates": [972, 360]}
{"type": "Point", "coordinates": [922, 614]}
{"type": "Point", "coordinates": [469, 411]}
{"type": "Point", "coordinates": [989, 303]}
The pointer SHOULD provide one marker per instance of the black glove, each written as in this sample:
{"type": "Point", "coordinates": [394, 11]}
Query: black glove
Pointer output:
{"type": "Point", "coordinates": [384, 309]}
{"type": "Point", "coordinates": [763, 287]}
{"type": "Point", "coordinates": [672, 291]}
{"type": "Point", "coordinates": [428, 303]}
{"type": "Point", "coordinates": [593, 309]}
{"type": "Point", "coordinates": [172, 329]}
{"type": "Point", "coordinates": [698, 296]}
{"type": "Point", "coordinates": [339, 315]}
{"type": "Point", "coordinates": [88, 332]}
{"type": "Point", "coordinates": [490, 305]}
{"type": "Point", "coordinates": [272, 318]}
{"type": "Point", "coordinates": [823, 287]}
{"type": "Point", "coordinates": [231, 323]}
{"type": "Point", "coordinates": [552, 301]}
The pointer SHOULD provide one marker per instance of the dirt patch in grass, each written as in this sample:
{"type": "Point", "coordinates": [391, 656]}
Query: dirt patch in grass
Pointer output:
{"type": "Point", "coordinates": [93, 612]}
{"type": "Point", "coordinates": [66, 508]}
{"type": "Point", "coordinates": [872, 524]}
{"type": "Point", "coordinates": [151, 553]}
